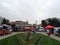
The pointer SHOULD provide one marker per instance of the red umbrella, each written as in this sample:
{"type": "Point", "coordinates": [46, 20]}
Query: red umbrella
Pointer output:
{"type": "Point", "coordinates": [49, 26]}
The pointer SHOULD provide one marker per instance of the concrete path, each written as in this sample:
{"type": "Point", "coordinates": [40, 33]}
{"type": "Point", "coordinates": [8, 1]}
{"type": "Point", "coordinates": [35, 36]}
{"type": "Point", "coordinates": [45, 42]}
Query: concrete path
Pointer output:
{"type": "Point", "coordinates": [6, 36]}
{"type": "Point", "coordinates": [52, 35]}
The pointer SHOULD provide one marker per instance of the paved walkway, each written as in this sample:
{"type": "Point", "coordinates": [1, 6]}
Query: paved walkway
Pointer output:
{"type": "Point", "coordinates": [6, 36]}
{"type": "Point", "coordinates": [52, 35]}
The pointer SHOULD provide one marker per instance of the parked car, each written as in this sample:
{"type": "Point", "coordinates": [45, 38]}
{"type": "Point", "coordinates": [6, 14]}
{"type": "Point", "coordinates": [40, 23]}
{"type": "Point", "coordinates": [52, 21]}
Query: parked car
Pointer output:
{"type": "Point", "coordinates": [1, 32]}
{"type": "Point", "coordinates": [8, 32]}
{"type": "Point", "coordinates": [41, 29]}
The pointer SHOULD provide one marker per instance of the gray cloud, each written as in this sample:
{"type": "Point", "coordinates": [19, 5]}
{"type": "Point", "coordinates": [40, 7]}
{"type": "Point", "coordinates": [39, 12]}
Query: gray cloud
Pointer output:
{"type": "Point", "coordinates": [29, 9]}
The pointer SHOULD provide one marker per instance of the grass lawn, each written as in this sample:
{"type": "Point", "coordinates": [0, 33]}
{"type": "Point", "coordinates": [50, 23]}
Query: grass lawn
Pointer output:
{"type": "Point", "coordinates": [34, 38]}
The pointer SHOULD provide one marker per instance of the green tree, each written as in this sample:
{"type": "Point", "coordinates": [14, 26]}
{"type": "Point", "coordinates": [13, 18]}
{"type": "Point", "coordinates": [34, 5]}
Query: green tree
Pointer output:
{"type": "Point", "coordinates": [5, 21]}
{"type": "Point", "coordinates": [54, 21]}
{"type": "Point", "coordinates": [43, 23]}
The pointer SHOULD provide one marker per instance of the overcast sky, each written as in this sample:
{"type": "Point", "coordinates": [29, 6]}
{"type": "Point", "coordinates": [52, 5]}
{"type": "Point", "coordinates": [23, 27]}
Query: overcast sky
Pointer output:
{"type": "Point", "coordinates": [30, 10]}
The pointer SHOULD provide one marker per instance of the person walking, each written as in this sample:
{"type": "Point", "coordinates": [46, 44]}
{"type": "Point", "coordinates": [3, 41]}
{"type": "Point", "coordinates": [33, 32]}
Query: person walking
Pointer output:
{"type": "Point", "coordinates": [48, 32]}
{"type": "Point", "coordinates": [33, 29]}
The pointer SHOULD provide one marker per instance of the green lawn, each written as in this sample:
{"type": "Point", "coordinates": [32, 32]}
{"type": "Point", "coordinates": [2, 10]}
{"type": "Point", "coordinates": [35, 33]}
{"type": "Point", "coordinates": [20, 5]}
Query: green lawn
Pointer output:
{"type": "Point", "coordinates": [21, 38]}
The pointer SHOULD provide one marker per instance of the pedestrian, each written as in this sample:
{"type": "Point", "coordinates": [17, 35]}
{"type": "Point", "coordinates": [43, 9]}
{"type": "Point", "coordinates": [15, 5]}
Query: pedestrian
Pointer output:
{"type": "Point", "coordinates": [48, 32]}
{"type": "Point", "coordinates": [33, 29]}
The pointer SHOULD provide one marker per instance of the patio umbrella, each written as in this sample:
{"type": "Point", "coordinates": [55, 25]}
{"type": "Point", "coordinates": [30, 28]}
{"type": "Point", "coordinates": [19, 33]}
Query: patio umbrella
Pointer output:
{"type": "Point", "coordinates": [49, 26]}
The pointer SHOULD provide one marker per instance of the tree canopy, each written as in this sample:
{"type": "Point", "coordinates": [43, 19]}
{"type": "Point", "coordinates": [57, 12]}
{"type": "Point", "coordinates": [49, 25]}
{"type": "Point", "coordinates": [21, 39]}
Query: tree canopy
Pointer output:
{"type": "Point", "coordinates": [52, 21]}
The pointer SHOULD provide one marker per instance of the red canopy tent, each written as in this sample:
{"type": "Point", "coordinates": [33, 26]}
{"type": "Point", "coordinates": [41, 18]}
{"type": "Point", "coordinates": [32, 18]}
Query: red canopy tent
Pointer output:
{"type": "Point", "coordinates": [49, 26]}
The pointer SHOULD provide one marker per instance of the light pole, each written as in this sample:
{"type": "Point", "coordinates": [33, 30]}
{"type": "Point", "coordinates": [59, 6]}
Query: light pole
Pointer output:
{"type": "Point", "coordinates": [36, 22]}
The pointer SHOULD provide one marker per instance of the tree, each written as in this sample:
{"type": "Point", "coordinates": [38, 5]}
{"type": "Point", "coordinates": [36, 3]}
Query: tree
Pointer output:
{"type": "Point", "coordinates": [50, 21]}
{"type": "Point", "coordinates": [54, 21]}
{"type": "Point", "coordinates": [5, 21]}
{"type": "Point", "coordinates": [43, 23]}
